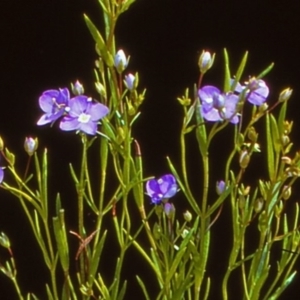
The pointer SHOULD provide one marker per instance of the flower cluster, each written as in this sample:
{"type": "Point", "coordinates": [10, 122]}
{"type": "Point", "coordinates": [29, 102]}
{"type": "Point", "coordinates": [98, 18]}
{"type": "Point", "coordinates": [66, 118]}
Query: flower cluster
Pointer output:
{"type": "Point", "coordinates": [218, 106]}
{"type": "Point", "coordinates": [78, 113]}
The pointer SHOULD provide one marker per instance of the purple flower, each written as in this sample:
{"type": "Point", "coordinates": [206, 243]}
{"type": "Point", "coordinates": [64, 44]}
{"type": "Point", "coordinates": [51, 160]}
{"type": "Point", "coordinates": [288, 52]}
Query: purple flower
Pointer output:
{"type": "Point", "coordinates": [1, 174]}
{"type": "Point", "coordinates": [217, 106]}
{"type": "Point", "coordinates": [83, 115]}
{"type": "Point", "coordinates": [53, 104]}
{"type": "Point", "coordinates": [256, 91]}
{"type": "Point", "coordinates": [162, 188]}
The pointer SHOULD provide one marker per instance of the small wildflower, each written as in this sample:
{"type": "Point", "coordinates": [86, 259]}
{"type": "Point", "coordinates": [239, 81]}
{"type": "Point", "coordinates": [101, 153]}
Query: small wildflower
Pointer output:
{"type": "Point", "coordinates": [162, 188]}
{"type": "Point", "coordinates": [256, 91]}
{"type": "Point", "coordinates": [83, 115]}
{"type": "Point", "coordinates": [53, 103]}
{"type": "Point", "coordinates": [216, 106]}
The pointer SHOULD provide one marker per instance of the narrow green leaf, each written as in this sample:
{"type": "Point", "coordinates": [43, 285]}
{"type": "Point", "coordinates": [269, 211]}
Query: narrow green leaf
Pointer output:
{"type": "Point", "coordinates": [94, 264]}
{"type": "Point", "coordinates": [61, 240]}
{"type": "Point", "coordinates": [49, 294]}
{"type": "Point", "coordinates": [275, 134]}
{"type": "Point", "coordinates": [265, 71]}
{"type": "Point", "coordinates": [283, 286]}
{"type": "Point", "coordinates": [126, 5]}
{"type": "Point", "coordinates": [220, 200]}
{"type": "Point", "coordinates": [227, 76]}
{"type": "Point", "coordinates": [99, 41]}
{"type": "Point", "coordinates": [122, 291]}
{"type": "Point", "coordinates": [281, 118]}
{"type": "Point", "coordinates": [201, 134]}
{"type": "Point", "coordinates": [270, 152]}
{"type": "Point", "coordinates": [143, 287]}
{"type": "Point", "coordinates": [240, 71]}
{"type": "Point", "coordinates": [175, 264]}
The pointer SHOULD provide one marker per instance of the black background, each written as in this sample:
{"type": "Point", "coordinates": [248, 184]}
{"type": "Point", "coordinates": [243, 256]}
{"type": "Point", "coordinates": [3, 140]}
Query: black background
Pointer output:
{"type": "Point", "coordinates": [45, 44]}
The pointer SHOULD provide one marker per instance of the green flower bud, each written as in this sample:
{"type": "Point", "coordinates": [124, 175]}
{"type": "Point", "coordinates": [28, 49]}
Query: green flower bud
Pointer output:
{"type": "Point", "coordinates": [187, 216]}
{"type": "Point", "coordinates": [244, 159]}
{"type": "Point", "coordinates": [252, 134]}
{"type": "Point", "coordinates": [286, 192]}
{"type": "Point", "coordinates": [1, 144]}
{"type": "Point", "coordinates": [258, 205]}
{"type": "Point", "coordinates": [100, 89]}
{"type": "Point", "coordinates": [4, 240]}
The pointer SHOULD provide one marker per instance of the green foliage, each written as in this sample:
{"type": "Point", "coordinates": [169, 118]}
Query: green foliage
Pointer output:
{"type": "Point", "coordinates": [176, 247]}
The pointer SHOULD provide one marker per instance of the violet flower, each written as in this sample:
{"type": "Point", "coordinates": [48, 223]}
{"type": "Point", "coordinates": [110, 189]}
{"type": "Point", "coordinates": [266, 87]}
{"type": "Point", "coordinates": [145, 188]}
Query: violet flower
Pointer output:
{"type": "Point", "coordinates": [83, 115]}
{"type": "Point", "coordinates": [53, 104]}
{"type": "Point", "coordinates": [163, 188]}
{"type": "Point", "coordinates": [256, 91]}
{"type": "Point", "coordinates": [217, 106]}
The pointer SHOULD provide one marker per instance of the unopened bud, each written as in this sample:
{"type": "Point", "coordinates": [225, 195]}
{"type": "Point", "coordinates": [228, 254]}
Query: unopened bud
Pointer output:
{"type": "Point", "coordinates": [169, 209]}
{"type": "Point", "coordinates": [285, 140]}
{"type": "Point", "coordinates": [77, 88]}
{"type": "Point", "coordinates": [220, 187]}
{"type": "Point", "coordinates": [30, 145]}
{"type": "Point", "coordinates": [187, 216]}
{"type": "Point", "coordinates": [258, 205]}
{"type": "Point", "coordinates": [205, 61]}
{"type": "Point", "coordinates": [120, 61]}
{"type": "Point", "coordinates": [286, 192]}
{"type": "Point", "coordinates": [130, 82]}
{"type": "Point", "coordinates": [244, 159]}
{"type": "Point", "coordinates": [252, 134]}
{"type": "Point", "coordinates": [100, 89]}
{"type": "Point", "coordinates": [288, 126]}
{"type": "Point", "coordinates": [262, 108]}
{"type": "Point", "coordinates": [1, 144]}
{"type": "Point", "coordinates": [4, 240]}
{"type": "Point", "coordinates": [285, 95]}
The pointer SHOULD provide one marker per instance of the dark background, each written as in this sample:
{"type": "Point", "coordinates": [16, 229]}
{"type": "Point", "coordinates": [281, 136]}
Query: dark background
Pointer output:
{"type": "Point", "coordinates": [45, 44]}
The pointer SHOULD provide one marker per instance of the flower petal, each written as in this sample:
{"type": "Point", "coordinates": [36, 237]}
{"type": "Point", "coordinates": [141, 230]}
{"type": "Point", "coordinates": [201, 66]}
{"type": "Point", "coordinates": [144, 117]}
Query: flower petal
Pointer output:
{"type": "Point", "coordinates": [69, 123]}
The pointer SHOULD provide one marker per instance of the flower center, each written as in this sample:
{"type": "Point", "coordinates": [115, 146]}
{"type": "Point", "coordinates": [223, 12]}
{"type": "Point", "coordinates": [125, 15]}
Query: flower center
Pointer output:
{"type": "Point", "coordinates": [84, 118]}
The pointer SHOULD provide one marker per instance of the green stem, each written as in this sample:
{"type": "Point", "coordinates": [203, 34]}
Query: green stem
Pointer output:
{"type": "Point", "coordinates": [204, 233]}
{"type": "Point", "coordinates": [80, 193]}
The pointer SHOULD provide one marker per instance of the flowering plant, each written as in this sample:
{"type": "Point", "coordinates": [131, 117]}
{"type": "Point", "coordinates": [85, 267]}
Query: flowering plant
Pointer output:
{"type": "Point", "coordinates": [175, 245]}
